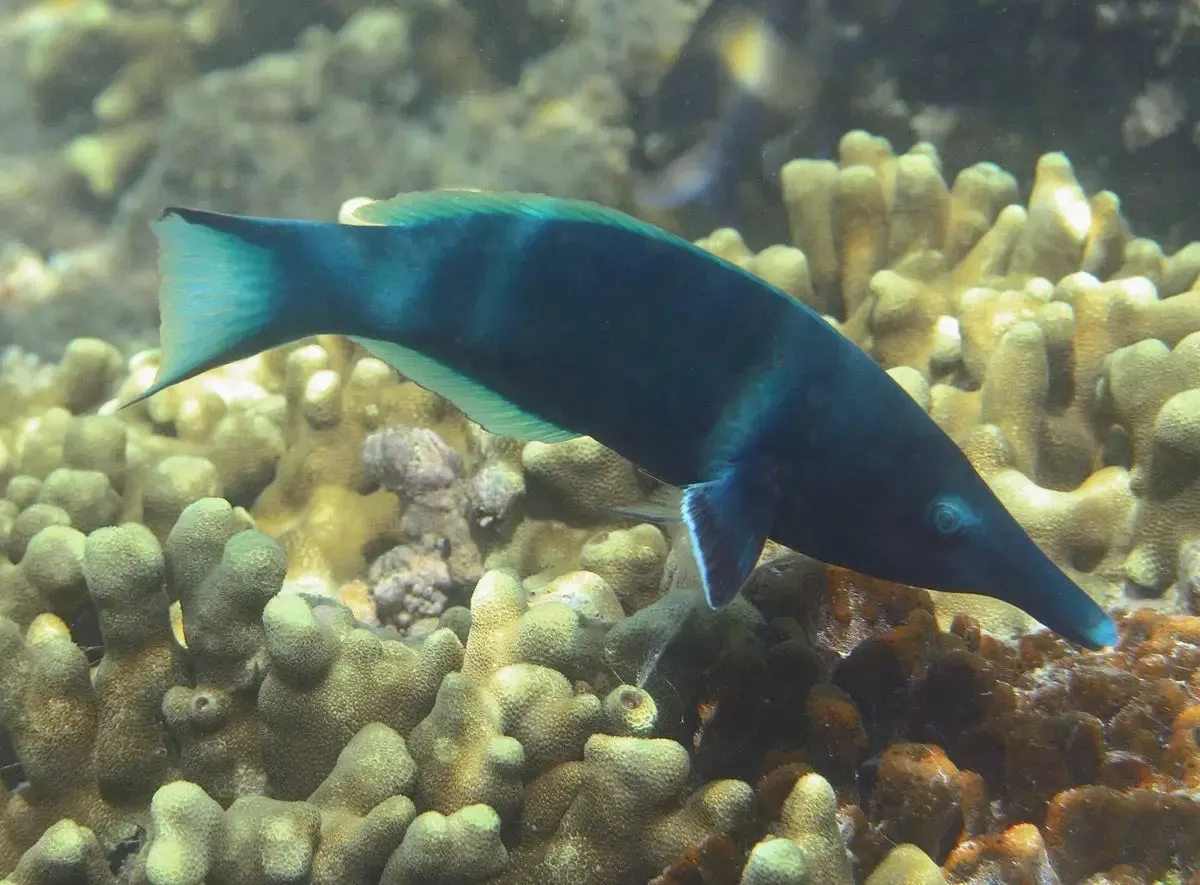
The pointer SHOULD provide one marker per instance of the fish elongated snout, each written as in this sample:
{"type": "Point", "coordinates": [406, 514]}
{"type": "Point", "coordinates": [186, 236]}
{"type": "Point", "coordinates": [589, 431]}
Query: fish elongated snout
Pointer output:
{"type": "Point", "coordinates": [1063, 606]}
{"type": "Point", "coordinates": [1096, 630]}
{"type": "Point", "coordinates": [985, 550]}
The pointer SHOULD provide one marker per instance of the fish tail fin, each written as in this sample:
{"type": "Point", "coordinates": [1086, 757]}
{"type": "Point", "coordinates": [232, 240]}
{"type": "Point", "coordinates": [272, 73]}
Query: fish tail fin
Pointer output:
{"type": "Point", "coordinates": [223, 291]}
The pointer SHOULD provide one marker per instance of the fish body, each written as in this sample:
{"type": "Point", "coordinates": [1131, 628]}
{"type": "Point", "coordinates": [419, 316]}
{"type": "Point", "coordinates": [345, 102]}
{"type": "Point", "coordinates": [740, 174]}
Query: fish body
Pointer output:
{"type": "Point", "coordinates": [546, 319]}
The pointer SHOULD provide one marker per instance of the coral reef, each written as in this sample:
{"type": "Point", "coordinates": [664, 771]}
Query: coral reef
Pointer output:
{"type": "Point", "coordinates": [115, 108]}
{"type": "Point", "coordinates": [269, 108]}
{"type": "Point", "coordinates": [278, 739]}
{"type": "Point", "coordinates": [296, 619]}
{"type": "Point", "coordinates": [1037, 336]}
{"type": "Point", "coordinates": [559, 81]}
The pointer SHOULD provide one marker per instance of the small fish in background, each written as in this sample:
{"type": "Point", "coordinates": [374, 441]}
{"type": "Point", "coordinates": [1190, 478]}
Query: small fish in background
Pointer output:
{"type": "Point", "coordinates": [749, 77]}
{"type": "Point", "coordinates": [547, 319]}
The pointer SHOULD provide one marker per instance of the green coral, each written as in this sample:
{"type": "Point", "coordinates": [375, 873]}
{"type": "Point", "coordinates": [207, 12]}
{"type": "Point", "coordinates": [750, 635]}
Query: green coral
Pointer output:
{"type": "Point", "coordinates": [282, 753]}
{"type": "Point", "coordinates": [66, 852]}
{"type": "Point", "coordinates": [345, 831]}
{"type": "Point", "coordinates": [810, 848]}
{"type": "Point", "coordinates": [326, 679]}
{"type": "Point", "coordinates": [248, 714]}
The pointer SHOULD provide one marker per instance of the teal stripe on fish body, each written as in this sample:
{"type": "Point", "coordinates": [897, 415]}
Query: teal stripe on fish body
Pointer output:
{"type": "Point", "coordinates": [681, 354]}
{"type": "Point", "coordinates": [546, 318]}
{"type": "Point", "coordinates": [566, 321]}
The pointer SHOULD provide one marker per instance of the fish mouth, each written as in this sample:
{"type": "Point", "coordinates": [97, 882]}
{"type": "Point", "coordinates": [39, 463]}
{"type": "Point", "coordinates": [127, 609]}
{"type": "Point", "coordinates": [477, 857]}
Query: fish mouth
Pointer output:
{"type": "Point", "coordinates": [1064, 607]}
{"type": "Point", "coordinates": [1101, 633]}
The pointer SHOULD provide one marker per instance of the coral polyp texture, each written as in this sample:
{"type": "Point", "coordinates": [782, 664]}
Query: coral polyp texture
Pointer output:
{"type": "Point", "coordinates": [298, 620]}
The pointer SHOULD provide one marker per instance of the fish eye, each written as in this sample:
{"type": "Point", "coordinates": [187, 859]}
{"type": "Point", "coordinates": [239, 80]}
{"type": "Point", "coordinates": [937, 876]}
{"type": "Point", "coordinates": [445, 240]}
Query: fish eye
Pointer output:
{"type": "Point", "coordinates": [950, 516]}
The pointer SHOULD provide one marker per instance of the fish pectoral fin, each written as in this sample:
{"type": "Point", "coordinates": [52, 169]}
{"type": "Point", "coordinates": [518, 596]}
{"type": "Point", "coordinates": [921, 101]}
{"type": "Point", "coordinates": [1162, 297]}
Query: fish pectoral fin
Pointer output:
{"type": "Point", "coordinates": [728, 520]}
{"type": "Point", "coordinates": [485, 407]}
{"type": "Point", "coordinates": [661, 507]}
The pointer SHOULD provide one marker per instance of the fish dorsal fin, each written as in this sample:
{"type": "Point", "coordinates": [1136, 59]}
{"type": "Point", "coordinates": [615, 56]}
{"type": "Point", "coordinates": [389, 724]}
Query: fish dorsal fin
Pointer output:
{"type": "Point", "coordinates": [483, 406]}
{"type": "Point", "coordinates": [420, 206]}
{"type": "Point", "coordinates": [728, 521]}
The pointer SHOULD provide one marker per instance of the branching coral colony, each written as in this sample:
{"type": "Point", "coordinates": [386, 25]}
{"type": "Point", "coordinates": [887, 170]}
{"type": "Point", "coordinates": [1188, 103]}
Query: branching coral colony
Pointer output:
{"type": "Point", "coordinates": [115, 65]}
{"type": "Point", "coordinates": [298, 621]}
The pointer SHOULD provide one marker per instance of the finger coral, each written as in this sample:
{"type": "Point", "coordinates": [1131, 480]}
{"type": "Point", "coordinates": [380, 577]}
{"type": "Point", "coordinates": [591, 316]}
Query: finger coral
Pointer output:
{"type": "Point", "coordinates": [251, 744]}
{"type": "Point", "coordinates": [1033, 329]}
{"type": "Point", "coordinates": [118, 65]}
{"type": "Point", "coordinates": [298, 620]}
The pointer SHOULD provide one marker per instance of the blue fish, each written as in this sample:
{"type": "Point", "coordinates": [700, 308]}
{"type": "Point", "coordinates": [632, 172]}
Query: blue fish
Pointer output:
{"type": "Point", "coordinates": [545, 319]}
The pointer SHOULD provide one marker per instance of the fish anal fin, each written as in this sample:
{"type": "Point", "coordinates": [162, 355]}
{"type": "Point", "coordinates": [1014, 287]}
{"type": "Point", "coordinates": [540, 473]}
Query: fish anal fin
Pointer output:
{"type": "Point", "coordinates": [661, 506]}
{"type": "Point", "coordinates": [483, 406]}
{"type": "Point", "coordinates": [728, 520]}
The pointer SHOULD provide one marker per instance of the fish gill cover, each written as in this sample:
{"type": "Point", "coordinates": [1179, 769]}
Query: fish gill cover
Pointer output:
{"type": "Point", "coordinates": [298, 620]}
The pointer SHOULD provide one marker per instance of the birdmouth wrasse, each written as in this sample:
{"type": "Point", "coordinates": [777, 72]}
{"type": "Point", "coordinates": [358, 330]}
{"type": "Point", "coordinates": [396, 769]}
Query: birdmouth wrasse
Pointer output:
{"type": "Point", "coordinates": [545, 319]}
